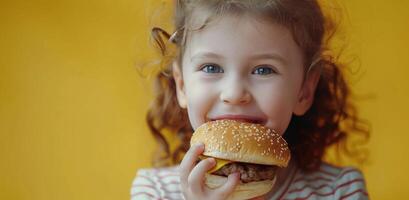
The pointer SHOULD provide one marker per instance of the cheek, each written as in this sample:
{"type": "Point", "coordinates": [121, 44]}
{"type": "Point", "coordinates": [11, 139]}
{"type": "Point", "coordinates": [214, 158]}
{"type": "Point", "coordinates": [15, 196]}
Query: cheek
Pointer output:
{"type": "Point", "coordinates": [279, 112]}
{"type": "Point", "coordinates": [278, 106]}
{"type": "Point", "coordinates": [200, 98]}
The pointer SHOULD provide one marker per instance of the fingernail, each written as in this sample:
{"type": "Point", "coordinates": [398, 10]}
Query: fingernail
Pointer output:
{"type": "Point", "coordinates": [200, 145]}
{"type": "Point", "coordinates": [236, 174]}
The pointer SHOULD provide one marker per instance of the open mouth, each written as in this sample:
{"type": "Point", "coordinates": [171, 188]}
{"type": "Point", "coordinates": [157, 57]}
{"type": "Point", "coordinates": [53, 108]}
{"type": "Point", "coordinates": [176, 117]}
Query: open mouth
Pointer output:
{"type": "Point", "coordinates": [254, 121]}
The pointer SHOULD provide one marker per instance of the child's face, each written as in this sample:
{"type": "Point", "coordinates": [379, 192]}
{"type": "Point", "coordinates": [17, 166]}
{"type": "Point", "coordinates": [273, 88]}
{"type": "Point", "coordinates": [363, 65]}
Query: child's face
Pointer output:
{"type": "Point", "coordinates": [246, 68]}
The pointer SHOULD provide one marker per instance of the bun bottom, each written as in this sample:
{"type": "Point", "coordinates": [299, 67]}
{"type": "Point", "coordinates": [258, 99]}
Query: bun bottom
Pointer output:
{"type": "Point", "coordinates": [243, 190]}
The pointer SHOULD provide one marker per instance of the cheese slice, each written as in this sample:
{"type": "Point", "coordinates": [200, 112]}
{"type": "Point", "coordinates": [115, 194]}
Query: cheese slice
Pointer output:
{"type": "Point", "coordinates": [219, 163]}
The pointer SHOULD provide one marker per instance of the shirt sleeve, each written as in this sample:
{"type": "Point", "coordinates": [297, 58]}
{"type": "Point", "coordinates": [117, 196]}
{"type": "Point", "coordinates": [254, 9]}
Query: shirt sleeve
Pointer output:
{"type": "Point", "coordinates": [144, 187]}
{"type": "Point", "coordinates": [350, 185]}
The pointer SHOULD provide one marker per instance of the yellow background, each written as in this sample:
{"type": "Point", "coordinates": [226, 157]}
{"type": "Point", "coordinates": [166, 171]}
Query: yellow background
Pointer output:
{"type": "Point", "coordinates": [72, 104]}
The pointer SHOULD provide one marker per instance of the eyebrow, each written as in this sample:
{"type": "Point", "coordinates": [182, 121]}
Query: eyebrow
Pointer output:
{"type": "Point", "coordinates": [206, 55]}
{"type": "Point", "coordinates": [271, 56]}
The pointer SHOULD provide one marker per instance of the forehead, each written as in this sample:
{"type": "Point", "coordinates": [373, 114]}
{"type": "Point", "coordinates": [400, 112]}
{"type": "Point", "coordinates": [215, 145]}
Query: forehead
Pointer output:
{"type": "Point", "coordinates": [242, 35]}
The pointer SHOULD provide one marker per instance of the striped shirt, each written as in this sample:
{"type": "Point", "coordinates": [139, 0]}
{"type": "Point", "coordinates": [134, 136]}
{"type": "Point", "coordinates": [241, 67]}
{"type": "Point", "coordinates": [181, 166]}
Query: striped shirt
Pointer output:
{"type": "Point", "coordinates": [329, 182]}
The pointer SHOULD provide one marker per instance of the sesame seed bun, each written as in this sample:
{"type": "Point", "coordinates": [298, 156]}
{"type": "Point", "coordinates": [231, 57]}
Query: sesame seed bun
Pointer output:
{"type": "Point", "coordinates": [242, 142]}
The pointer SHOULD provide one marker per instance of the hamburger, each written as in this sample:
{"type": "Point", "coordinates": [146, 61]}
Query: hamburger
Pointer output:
{"type": "Point", "coordinates": [251, 149]}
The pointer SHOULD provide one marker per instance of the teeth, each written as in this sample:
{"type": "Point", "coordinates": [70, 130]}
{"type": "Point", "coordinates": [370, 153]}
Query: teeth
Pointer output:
{"type": "Point", "coordinates": [242, 120]}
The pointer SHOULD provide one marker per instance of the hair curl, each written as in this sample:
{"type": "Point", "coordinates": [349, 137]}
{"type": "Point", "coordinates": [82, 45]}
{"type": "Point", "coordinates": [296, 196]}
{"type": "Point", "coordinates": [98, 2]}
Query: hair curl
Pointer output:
{"type": "Point", "coordinates": [332, 117]}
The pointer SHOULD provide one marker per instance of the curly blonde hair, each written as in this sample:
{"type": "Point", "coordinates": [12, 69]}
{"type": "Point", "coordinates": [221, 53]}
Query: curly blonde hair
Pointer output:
{"type": "Point", "coordinates": [332, 117]}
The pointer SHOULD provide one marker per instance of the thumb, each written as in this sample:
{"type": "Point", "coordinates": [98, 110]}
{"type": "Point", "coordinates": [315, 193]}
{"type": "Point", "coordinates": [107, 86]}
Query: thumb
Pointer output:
{"type": "Point", "coordinates": [258, 198]}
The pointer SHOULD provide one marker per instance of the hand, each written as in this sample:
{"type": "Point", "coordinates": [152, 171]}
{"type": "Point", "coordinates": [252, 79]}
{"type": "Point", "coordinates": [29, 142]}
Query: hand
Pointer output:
{"type": "Point", "coordinates": [258, 198]}
{"type": "Point", "coordinates": [192, 177]}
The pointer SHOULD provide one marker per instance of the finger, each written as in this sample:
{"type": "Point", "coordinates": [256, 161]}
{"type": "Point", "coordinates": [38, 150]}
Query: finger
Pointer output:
{"type": "Point", "coordinates": [258, 198]}
{"type": "Point", "coordinates": [189, 161]}
{"type": "Point", "coordinates": [228, 188]}
{"type": "Point", "coordinates": [196, 177]}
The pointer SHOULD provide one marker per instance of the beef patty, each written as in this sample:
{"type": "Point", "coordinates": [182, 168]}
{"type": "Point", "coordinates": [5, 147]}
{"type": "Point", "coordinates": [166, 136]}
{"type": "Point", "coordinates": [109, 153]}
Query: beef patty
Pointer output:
{"type": "Point", "coordinates": [248, 172]}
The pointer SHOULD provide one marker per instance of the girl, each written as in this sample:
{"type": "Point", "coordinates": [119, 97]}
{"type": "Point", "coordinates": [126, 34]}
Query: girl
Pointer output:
{"type": "Point", "coordinates": [265, 61]}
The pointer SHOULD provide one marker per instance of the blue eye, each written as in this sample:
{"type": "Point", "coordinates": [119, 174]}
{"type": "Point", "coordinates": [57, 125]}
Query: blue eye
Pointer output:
{"type": "Point", "coordinates": [263, 71]}
{"type": "Point", "coordinates": [212, 68]}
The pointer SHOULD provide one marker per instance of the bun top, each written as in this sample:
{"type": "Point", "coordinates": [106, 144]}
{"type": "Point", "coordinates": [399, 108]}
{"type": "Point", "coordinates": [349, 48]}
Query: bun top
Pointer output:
{"type": "Point", "coordinates": [242, 142]}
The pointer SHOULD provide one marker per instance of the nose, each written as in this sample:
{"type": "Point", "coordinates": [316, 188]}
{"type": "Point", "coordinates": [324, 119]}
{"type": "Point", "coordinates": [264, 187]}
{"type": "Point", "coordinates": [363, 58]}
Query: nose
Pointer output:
{"type": "Point", "coordinates": [235, 93]}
